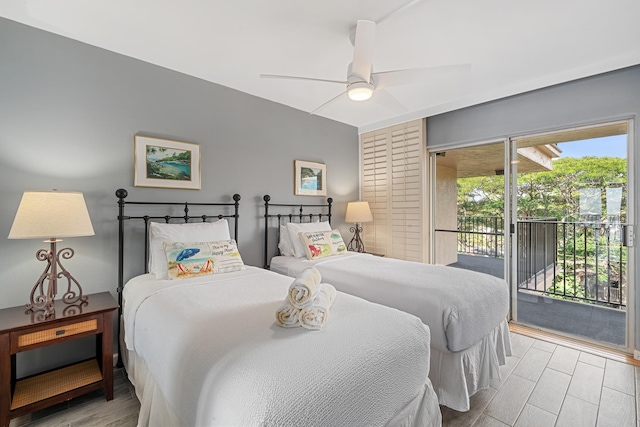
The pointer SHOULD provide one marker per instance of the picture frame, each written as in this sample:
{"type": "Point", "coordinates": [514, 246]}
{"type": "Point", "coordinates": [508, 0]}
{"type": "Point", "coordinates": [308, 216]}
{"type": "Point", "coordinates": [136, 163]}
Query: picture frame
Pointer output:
{"type": "Point", "coordinates": [163, 163]}
{"type": "Point", "coordinates": [310, 178]}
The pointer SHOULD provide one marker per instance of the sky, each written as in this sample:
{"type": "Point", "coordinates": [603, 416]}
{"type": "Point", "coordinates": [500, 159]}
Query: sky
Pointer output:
{"type": "Point", "coordinates": [162, 154]}
{"type": "Point", "coordinates": [608, 146]}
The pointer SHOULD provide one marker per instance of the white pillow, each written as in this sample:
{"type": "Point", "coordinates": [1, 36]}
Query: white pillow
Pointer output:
{"type": "Point", "coordinates": [285, 242]}
{"type": "Point", "coordinates": [191, 232]}
{"type": "Point", "coordinates": [294, 228]}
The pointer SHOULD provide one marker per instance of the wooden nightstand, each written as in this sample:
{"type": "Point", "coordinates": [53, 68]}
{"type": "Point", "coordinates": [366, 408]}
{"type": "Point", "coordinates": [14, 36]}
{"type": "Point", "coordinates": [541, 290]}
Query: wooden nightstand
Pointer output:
{"type": "Point", "coordinates": [22, 331]}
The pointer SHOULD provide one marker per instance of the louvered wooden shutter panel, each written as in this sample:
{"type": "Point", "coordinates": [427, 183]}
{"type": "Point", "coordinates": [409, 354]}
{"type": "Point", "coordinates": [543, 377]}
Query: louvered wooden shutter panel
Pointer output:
{"type": "Point", "coordinates": [406, 188]}
{"type": "Point", "coordinates": [374, 190]}
{"type": "Point", "coordinates": [393, 182]}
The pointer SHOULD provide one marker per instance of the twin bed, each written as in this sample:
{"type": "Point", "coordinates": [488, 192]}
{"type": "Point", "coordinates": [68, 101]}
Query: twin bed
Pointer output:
{"type": "Point", "coordinates": [206, 350]}
{"type": "Point", "coordinates": [465, 311]}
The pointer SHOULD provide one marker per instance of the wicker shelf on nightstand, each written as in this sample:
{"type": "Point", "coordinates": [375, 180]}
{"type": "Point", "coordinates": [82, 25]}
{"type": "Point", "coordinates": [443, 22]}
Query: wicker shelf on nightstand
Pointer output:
{"type": "Point", "coordinates": [21, 330]}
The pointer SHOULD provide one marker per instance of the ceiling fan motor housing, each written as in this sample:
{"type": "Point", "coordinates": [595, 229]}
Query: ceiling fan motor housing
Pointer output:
{"type": "Point", "coordinates": [360, 90]}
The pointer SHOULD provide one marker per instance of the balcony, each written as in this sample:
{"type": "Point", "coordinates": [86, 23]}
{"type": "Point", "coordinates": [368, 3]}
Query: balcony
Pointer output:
{"type": "Point", "coordinates": [571, 274]}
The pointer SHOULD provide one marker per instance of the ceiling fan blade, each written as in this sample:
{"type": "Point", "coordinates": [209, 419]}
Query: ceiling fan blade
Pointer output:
{"type": "Point", "coordinates": [415, 75]}
{"type": "Point", "coordinates": [384, 98]}
{"type": "Point", "coordinates": [329, 102]}
{"type": "Point", "coordinates": [363, 50]}
{"type": "Point", "coordinates": [277, 76]}
{"type": "Point", "coordinates": [398, 10]}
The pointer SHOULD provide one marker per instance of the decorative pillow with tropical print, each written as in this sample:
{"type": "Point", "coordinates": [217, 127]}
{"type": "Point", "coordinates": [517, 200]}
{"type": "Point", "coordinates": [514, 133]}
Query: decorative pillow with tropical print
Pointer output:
{"type": "Point", "coordinates": [319, 244]}
{"type": "Point", "coordinates": [192, 259]}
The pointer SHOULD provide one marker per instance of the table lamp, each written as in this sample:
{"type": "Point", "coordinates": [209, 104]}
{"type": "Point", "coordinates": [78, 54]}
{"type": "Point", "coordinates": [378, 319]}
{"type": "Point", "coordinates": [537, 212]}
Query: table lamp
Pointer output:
{"type": "Point", "coordinates": [50, 215]}
{"type": "Point", "coordinates": [357, 212]}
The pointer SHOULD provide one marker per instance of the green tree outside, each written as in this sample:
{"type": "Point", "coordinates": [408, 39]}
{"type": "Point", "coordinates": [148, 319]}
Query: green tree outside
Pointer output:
{"type": "Point", "coordinates": [594, 242]}
{"type": "Point", "coordinates": [554, 193]}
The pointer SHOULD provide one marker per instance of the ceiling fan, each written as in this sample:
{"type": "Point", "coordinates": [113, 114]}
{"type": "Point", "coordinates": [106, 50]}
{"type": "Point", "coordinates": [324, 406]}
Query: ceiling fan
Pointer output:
{"type": "Point", "coordinates": [362, 82]}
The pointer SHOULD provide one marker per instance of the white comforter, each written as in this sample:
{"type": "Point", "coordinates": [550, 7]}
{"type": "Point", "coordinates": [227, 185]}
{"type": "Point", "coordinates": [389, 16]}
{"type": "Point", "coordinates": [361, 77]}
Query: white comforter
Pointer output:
{"type": "Point", "coordinates": [460, 307]}
{"type": "Point", "coordinates": [218, 357]}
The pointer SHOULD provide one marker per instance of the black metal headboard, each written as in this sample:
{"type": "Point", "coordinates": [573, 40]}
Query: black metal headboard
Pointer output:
{"type": "Point", "coordinates": [122, 194]}
{"type": "Point", "coordinates": [296, 212]}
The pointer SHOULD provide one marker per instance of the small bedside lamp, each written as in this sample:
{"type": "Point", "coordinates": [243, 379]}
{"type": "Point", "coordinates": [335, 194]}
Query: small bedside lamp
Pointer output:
{"type": "Point", "coordinates": [49, 215]}
{"type": "Point", "coordinates": [357, 212]}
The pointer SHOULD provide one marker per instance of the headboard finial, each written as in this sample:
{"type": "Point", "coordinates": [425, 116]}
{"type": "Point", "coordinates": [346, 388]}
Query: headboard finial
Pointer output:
{"type": "Point", "coordinates": [330, 200]}
{"type": "Point", "coordinates": [236, 197]}
{"type": "Point", "coordinates": [266, 198]}
{"type": "Point", "coordinates": [121, 193]}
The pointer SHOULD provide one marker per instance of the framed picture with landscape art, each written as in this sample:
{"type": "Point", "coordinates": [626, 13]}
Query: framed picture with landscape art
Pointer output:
{"type": "Point", "coordinates": [310, 178]}
{"type": "Point", "coordinates": [166, 164]}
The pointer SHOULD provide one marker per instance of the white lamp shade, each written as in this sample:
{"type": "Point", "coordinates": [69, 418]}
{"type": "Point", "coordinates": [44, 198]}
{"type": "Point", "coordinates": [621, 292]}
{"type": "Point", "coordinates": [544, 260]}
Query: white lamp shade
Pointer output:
{"type": "Point", "coordinates": [51, 214]}
{"type": "Point", "coordinates": [358, 212]}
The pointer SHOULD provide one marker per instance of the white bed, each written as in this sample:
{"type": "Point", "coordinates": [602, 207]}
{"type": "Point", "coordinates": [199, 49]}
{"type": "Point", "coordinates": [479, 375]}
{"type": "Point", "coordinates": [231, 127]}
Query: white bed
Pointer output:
{"type": "Point", "coordinates": [207, 351]}
{"type": "Point", "coordinates": [465, 311]}
{"type": "Point", "coordinates": [202, 344]}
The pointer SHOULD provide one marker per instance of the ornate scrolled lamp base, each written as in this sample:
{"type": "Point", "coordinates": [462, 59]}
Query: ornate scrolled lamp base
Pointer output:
{"type": "Point", "coordinates": [43, 301]}
{"type": "Point", "coordinates": [356, 244]}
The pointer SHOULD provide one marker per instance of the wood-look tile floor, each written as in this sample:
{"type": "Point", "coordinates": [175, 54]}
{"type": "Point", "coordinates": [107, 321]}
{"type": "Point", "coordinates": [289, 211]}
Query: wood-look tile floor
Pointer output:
{"type": "Point", "coordinates": [542, 384]}
{"type": "Point", "coordinates": [545, 384]}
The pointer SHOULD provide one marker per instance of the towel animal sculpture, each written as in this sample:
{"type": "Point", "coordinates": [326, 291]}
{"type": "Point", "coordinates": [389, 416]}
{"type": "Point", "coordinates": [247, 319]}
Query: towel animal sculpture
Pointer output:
{"type": "Point", "coordinates": [307, 303]}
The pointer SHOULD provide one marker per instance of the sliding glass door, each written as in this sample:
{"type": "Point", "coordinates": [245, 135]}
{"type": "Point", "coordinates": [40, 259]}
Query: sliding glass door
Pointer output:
{"type": "Point", "coordinates": [551, 214]}
{"type": "Point", "coordinates": [571, 273]}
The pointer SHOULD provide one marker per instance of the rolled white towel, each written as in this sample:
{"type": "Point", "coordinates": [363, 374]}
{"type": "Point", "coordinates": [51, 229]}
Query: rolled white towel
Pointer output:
{"type": "Point", "coordinates": [315, 315]}
{"type": "Point", "coordinates": [288, 316]}
{"type": "Point", "coordinates": [304, 288]}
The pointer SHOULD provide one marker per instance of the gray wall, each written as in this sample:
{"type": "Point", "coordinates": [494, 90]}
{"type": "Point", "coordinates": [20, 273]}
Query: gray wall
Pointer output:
{"type": "Point", "coordinates": [610, 96]}
{"type": "Point", "coordinates": [68, 113]}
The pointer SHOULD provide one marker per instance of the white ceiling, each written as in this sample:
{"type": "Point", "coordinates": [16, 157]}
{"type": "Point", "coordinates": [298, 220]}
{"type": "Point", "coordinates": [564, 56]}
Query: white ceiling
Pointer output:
{"type": "Point", "coordinates": [512, 45]}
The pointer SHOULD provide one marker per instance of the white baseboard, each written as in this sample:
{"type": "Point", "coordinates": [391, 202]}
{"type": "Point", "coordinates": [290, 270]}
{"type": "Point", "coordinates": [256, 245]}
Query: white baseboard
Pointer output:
{"type": "Point", "coordinates": [636, 354]}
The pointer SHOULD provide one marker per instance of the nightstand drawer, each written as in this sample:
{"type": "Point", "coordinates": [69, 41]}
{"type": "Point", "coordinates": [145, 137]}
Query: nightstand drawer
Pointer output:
{"type": "Point", "coordinates": [32, 338]}
{"type": "Point", "coordinates": [55, 333]}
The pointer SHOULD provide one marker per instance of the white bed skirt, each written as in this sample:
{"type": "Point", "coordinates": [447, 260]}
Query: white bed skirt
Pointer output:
{"type": "Point", "coordinates": [155, 411]}
{"type": "Point", "coordinates": [458, 376]}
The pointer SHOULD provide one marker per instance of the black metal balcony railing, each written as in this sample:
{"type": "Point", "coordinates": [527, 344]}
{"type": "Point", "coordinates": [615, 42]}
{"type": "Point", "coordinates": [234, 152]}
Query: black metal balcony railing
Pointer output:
{"type": "Point", "coordinates": [580, 261]}
{"type": "Point", "coordinates": [481, 235]}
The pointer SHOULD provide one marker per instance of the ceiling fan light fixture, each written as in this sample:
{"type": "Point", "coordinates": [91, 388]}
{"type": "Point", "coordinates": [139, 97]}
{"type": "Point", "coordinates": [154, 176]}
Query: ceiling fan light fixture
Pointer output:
{"type": "Point", "coordinates": [360, 91]}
